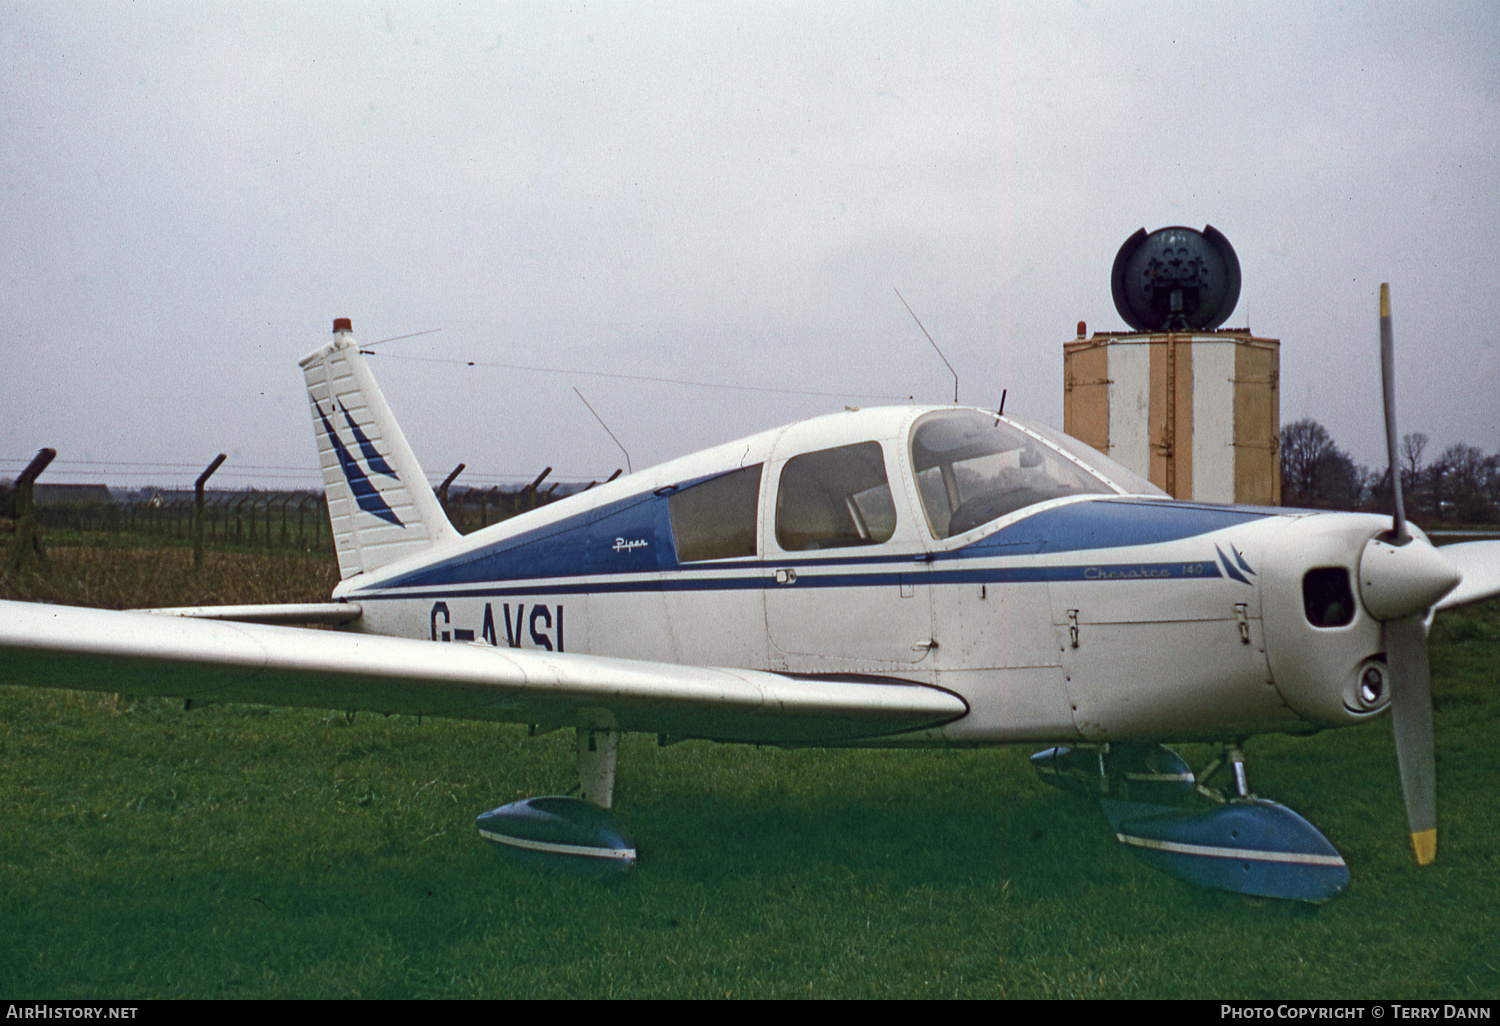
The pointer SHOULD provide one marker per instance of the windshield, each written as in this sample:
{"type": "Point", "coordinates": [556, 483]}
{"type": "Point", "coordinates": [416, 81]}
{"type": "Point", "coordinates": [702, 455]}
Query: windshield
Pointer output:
{"type": "Point", "coordinates": [1115, 473]}
{"type": "Point", "coordinates": [972, 468]}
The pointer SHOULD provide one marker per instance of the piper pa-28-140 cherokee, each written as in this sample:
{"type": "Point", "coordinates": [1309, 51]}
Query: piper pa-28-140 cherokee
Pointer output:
{"type": "Point", "coordinates": [907, 576]}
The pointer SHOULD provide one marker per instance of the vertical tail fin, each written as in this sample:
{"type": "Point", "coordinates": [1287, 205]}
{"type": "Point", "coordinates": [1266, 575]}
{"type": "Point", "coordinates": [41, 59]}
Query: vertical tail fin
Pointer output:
{"type": "Point", "coordinates": [381, 505]}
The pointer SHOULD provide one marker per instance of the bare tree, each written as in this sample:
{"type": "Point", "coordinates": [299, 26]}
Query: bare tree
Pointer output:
{"type": "Point", "coordinates": [1304, 445]}
{"type": "Point", "coordinates": [1316, 472]}
{"type": "Point", "coordinates": [1467, 472]}
{"type": "Point", "coordinates": [1412, 446]}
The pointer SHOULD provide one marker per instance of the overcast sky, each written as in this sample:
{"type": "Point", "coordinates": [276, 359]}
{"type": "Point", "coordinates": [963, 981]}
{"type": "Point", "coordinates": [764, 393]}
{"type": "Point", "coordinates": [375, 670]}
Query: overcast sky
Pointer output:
{"type": "Point", "coordinates": [724, 193]}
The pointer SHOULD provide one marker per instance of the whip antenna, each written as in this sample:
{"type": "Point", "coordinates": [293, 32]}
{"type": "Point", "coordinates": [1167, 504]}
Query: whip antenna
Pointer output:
{"type": "Point", "coordinates": [398, 338]}
{"type": "Point", "coordinates": [929, 338]}
{"type": "Point", "coordinates": [607, 431]}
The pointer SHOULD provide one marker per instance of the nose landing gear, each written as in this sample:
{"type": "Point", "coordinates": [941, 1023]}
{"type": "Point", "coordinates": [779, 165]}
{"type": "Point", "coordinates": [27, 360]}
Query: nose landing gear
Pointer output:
{"type": "Point", "coordinates": [1245, 844]}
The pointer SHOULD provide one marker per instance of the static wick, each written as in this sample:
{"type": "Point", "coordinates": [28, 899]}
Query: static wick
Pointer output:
{"type": "Point", "coordinates": [929, 338]}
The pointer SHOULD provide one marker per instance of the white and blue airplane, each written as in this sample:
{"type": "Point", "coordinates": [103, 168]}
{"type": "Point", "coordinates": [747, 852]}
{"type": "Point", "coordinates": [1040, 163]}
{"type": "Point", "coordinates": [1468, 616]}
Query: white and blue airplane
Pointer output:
{"type": "Point", "coordinates": [907, 576]}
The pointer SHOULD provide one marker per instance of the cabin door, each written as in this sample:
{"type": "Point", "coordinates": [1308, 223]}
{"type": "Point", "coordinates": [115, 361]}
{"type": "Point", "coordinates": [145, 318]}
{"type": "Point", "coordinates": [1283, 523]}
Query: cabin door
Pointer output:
{"type": "Point", "coordinates": [846, 587]}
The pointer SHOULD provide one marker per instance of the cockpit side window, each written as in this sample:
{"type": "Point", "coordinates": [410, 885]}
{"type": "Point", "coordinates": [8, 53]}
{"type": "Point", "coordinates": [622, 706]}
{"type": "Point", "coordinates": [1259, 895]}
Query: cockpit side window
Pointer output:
{"type": "Point", "coordinates": [716, 519]}
{"type": "Point", "coordinates": [835, 498]}
{"type": "Point", "coordinates": [972, 468]}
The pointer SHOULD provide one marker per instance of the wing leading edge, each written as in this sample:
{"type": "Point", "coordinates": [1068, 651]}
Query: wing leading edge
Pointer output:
{"type": "Point", "coordinates": [1479, 562]}
{"type": "Point", "coordinates": [212, 660]}
{"type": "Point", "coordinates": [331, 613]}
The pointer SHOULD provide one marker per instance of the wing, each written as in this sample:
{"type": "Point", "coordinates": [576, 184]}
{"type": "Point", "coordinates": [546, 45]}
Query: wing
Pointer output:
{"type": "Point", "coordinates": [213, 660]}
{"type": "Point", "coordinates": [1479, 562]}
{"type": "Point", "coordinates": [336, 614]}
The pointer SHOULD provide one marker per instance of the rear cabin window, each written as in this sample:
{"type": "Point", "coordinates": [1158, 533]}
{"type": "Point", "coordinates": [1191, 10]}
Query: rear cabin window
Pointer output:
{"type": "Point", "coordinates": [834, 499]}
{"type": "Point", "coordinates": [716, 519]}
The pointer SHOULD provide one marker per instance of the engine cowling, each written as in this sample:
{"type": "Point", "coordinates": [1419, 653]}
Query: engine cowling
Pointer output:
{"type": "Point", "coordinates": [1324, 646]}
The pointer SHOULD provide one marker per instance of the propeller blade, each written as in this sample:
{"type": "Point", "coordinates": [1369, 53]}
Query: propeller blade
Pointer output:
{"type": "Point", "coordinates": [1388, 387]}
{"type": "Point", "coordinates": [1411, 580]}
{"type": "Point", "coordinates": [1411, 718]}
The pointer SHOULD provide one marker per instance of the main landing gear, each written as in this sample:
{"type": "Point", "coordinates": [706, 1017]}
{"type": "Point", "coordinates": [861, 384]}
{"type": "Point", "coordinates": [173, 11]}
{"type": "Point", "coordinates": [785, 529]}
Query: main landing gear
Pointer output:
{"type": "Point", "coordinates": [1245, 844]}
{"type": "Point", "coordinates": [576, 836]}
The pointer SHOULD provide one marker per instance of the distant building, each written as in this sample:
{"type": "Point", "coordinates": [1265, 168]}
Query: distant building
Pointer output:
{"type": "Point", "coordinates": [44, 494]}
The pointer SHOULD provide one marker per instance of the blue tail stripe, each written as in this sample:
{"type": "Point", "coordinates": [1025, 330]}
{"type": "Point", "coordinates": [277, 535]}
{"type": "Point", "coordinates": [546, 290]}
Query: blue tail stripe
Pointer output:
{"type": "Point", "coordinates": [372, 455]}
{"type": "Point", "coordinates": [365, 492]}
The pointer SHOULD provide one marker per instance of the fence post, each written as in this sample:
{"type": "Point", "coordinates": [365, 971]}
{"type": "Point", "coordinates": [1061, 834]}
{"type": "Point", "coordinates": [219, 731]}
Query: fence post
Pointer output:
{"type": "Point", "coordinates": [198, 508]}
{"type": "Point", "coordinates": [239, 520]}
{"type": "Point", "coordinates": [28, 544]}
{"type": "Point", "coordinates": [537, 484]}
{"type": "Point", "coordinates": [484, 506]}
{"type": "Point", "coordinates": [442, 491]}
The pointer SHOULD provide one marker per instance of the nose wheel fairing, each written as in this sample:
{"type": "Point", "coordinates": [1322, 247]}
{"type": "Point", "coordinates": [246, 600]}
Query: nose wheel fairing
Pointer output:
{"type": "Point", "coordinates": [1243, 844]}
{"type": "Point", "coordinates": [1249, 846]}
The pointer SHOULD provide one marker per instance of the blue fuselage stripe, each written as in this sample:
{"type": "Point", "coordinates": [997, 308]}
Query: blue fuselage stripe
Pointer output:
{"type": "Point", "coordinates": [764, 580]}
{"type": "Point", "coordinates": [627, 546]}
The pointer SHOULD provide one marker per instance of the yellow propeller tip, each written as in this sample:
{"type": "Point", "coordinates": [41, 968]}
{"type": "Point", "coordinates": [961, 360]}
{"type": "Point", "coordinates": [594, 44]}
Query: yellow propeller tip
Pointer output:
{"type": "Point", "coordinates": [1385, 299]}
{"type": "Point", "coordinates": [1424, 843]}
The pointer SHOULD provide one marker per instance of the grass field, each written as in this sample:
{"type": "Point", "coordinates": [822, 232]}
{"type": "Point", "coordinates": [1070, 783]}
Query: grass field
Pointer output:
{"type": "Point", "coordinates": [235, 851]}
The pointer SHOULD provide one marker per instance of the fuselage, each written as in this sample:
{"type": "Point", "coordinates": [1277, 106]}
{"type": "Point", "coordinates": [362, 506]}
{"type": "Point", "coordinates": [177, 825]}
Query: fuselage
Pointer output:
{"type": "Point", "coordinates": [1061, 596]}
